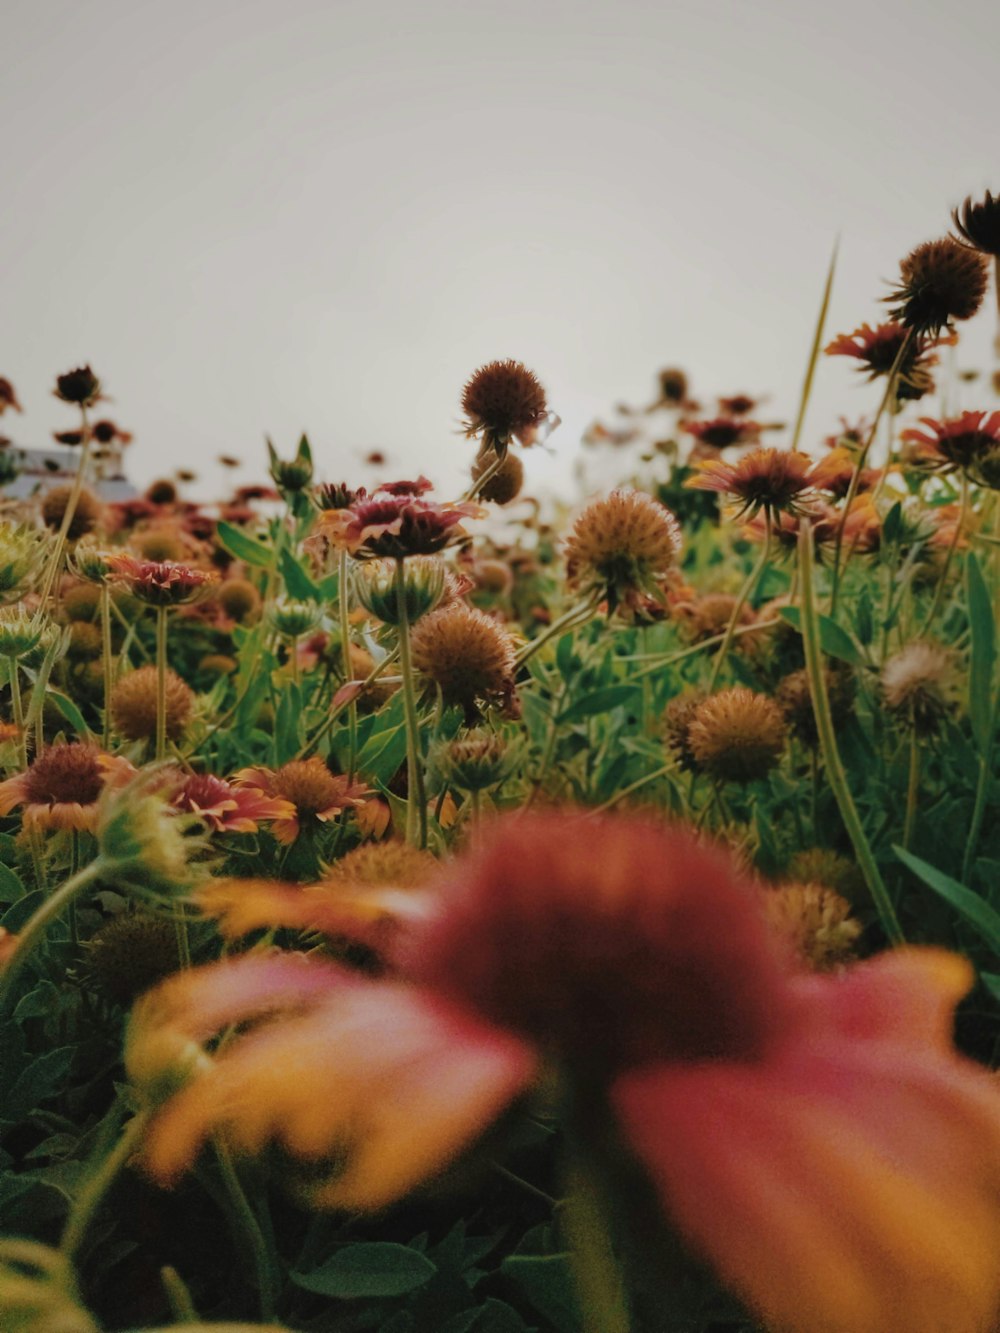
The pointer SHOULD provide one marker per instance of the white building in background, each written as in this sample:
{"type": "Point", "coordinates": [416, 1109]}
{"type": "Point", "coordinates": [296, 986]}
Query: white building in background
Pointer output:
{"type": "Point", "coordinates": [41, 469]}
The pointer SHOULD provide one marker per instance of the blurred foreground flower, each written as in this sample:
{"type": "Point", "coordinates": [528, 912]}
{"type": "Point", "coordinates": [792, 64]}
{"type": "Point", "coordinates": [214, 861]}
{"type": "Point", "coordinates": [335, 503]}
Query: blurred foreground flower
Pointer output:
{"type": "Point", "coordinates": [816, 1138]}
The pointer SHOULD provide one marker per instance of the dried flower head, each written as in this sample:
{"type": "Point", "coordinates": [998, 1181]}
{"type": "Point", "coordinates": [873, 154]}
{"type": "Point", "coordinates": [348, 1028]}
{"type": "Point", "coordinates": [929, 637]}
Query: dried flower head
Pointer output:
{"type": "Point", "coordinates": [161, 582]}
{"type": "Point", "coordinates": [133, 705]}
{"type": "Point", "coordinates": [877, 349]}
{"type": "Point", "coordinates": [502, 401]}
{"type": "Point", "coordinates": [505, 484]}
{"type": "Point", "coordinates": [737, 735]}
{"type": "Point", "coordinates": [677, 719]}
{"type": "Point", "coordinates": [476, 761]}
{"type": "Point", "coordinates": [164, 544]}
{"type": "Point", "coordinates": [918, 685]}
{"type": "Point", "coordinates": [623, 545]}
{"type": "Point", "coordinates": [821, 865]}
{"type": "Point", "coordinates": [239, 599]}
{"type": "Point", "coordinates": [978, 224]}
{"type": "Point", "coordinates": [390, 864]}
{"type": "Point", "coordinates": [162, 492]}
{"type": "Point", "coordinates": [815, 921]}
{"type": "Point", "coordinates": [673, 385]}
{"type": "Point", "coordinates": [78, 386]}
{"type": "Point", "coordinates": [468, 656]}
{"type": "Point", "coordinates": [85, 518]}
{"type": "Point", "coordinates": [940, 281]}
{"type": "Point", "coordinates": [707, 617]}
{"type": "Point", "coordinates": [129, 954]}
{"type": "Point", "coordinates": [794, 698]}
{"type": "Point", "coordinates": [768, 479]}
{"type": "Point", "coordinates": [8, 397]}
{"type": "Point", "coordinates": [721, 432]}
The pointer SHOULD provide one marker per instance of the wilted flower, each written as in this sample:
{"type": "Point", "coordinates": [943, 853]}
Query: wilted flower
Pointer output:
{"type": "Point", "coordinates": [918, 685]}
{"type": "Point", "coordinates": [468, 656]}
{"type": "Point", "coordinates": [940, 281]}
{"type": "Point", "coordinates": [721, 432]}
{"type": "Point", "coordinates": [62, 787]}
{"type": "Point", "coordinates": [787, 1123]}
{"type": "Point", "coordinates": [623, 545]}
{"type": "Point", "coordinates": [476, 761]}
{"type": "Point", "coordinates": [314, 793]}
{"type": "Point", "coordinates": [677, 719]}
{"type": "Point", "coordinates": [794, 698]}
{"type": "Point", "coordinates": [737, 735]}
{"type": "Point", "coordinates": [978, 224]}
{"type": "Point", "coordinates": [772, 480]}
{"type": "Point", "coordinates": [161, 582]}
{"type": "Point", "coordinates": [503, 401]}
{"type": "Point", "coordinates": [81, 387]}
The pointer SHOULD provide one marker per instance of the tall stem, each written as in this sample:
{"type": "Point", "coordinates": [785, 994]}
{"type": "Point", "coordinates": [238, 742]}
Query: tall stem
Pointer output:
{"type": "Point", "coordinates": [828, 743]}
{"type": "Point", "coordinates": [912, 791]}
{"type": "Point", "coordinates": [264, 1263]}
{"type": "Point", "coordinates": [344, 610]}
{"type": "Point", "coordinates": [749, 584]}
{"type": "Point", "coordinates": [416, 797]}
{"type": "Point", "coordinates": [17, 706]}
{"type": "Point", "coordinates": [982, 787]}
{"type": "Point", "coordinates": [576, 615]}
{"type": "Point", "coordinates": [90, 1197]}
{"type": "Point", "coordinates": [55, 560]}
{"type": "Point", "coordinates": [106, 661]}
{"type": "Point", "coordinates": [161, 682]}
{"type": "Point", "coordinates": [31, 935]}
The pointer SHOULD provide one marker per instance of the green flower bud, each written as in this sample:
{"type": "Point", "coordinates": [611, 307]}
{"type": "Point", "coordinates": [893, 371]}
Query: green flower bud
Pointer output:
{"type": "Point", "coordinates": [423, 580]}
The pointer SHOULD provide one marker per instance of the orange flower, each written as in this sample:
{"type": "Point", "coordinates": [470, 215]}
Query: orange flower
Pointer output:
{"type": "Point", "coordinates": [308, 787]}
{"type": "Point", "coordinates": [964, 442]}
{"type": "Point", "coordinates": [160, 582]}
{"type": "Point", "coordinates": [773, 480]}
{"type": "Point", "coordinates": [61, 789]}
{"type": "Point", "coordinates": [227, 808]}
{"type": "Point", "coordinates": [816, 1138]}
{"type": "Point", "coordinates": [395, 525]}
{"type": "Point", "coordinates": [721, 432]}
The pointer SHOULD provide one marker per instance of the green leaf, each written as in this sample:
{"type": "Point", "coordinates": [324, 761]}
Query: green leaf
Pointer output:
{"type": "Point", "coordinates": [43, 1078]}
{"type": "Point", "coordinates": [983, 654]}
{"type": "Point", "coordinates": [992, 983]}
{"type": "Point", "coordinates": [297, 581]}
{"type": "Point", "coordinates": [492, 1317]}
{"type": "Point", "coordinates": [835, 641]}
{"type": "Point", "coordinates": [70, 712]}
{"type": "Point", "coordinates": [547, 1284]}
{"type": "Point", "coordinates": [601, 701]}
{"type": "Point", "coordinates": [287, 723]}
{"type": "Point", "coordinates": [243, 547]}
{"type": "Point", "coordinates": [893, 524]}
{"type": "Point", "coordinates": [369, 1269]}
{"type": "Point", "coordinates": [975, 910]}
{"type": "Point", "coordinates": [11, 888]}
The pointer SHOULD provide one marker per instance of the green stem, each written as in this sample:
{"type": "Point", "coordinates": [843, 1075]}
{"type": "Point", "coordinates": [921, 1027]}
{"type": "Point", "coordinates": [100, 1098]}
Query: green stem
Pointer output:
{"type": "Point", "coordinates": [265, 1265]}
{"type": "Point", "coordinates": [595, 1272]}
{"type": "Point", "coordinates": [416, 797]}
{"type": "Point", "coordinates": [982, 787]}
{"type": "Point", "coordinates": [161, 682]}
{"type": "Point", "coordinates": [17, 706]}
{"type": "Point", "coordinates": [633, 786]}
{"type": "Point", "coordinates": [328, 722]}
{"type": "Point", "coordinates": [89, 1199]}
{"type": "Point", "coordinates": [576, 615]}
{"type": "Point", "coordinates": [749, 584]}
{"type": "Point", "coordinates": [963, 510]}
{"type": "Point", "coordinates": [344, 611]}
{"type": "Point", "coordinates": [912, 791]}
{"type": "Point", "coordinates": [481, 482]}
{"type": "Point", "coordinates": [106, 661]}
{"type": "Point", "coordinates": [55, 561]}
{"type": "Point", "coordinates": [828, 743]}
{"type": "Point", "coordinates": [31, 934]}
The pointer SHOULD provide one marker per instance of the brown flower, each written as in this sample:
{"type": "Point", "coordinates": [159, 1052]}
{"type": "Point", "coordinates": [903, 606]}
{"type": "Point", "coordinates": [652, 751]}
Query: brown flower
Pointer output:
{"type": "Point", "coordinates": [918, 685]}
{"type": "Point", "coordinates": [940, 281]}
{"type": "Point", "coordinates": [313, 793]}
{"type": "Point", "coordinates": [501, 401]}
{"type": "Point", "coordinates": [85, 518]}
{"type": "Point", "coordinates": [160, 582]}
{"type": "Point", "coordinates": [625, 545]}
{"type": "Point", "coordinates": [978, 224]}
{"type": "Point", "coordinates": [815, 921]}
{"type": "Point", "coordinates": [133, 705]}
{"type": "Point", "coordinates": [8, 398]}
{"type": "Point", "coordinates": [677, 719]}
{"type": "Point", "coordinates": [794, 698]}
{"type": "Point", "coordinates": [78, 386]}
{"type": "Point", "coordinates": [61, 789]}
{"type": "Point", "coordinates": [737, 735]}
{"type": "Point", "coordinates": [467, 655]}
{"type": "Point", "coordinates": [505, 484]}
{"type": "Point", "coordinates": [772, 480]}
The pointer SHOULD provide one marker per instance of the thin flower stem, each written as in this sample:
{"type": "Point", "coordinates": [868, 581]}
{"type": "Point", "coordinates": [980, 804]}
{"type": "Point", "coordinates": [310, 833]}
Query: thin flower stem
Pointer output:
{"type": "Point", "coordinates": [329, 721]}
{"type": "Point", "coordinates": [598, 1281]}
{"type": "Point", "coordinates": [106, 661]}
{"type": "Point", "coordinates": [576, 615]}
{"type": "Point", "coordinates": [32, 932]}
{"type": "Point", "coordinates": [17, 707]}
{"type": "Point", "coordinates": [265, 1266]}
{"type": "Point", "coordinates": [661, 660]}
{"type": "Point", "coordinates": [949, 556]}
{"type": "Point", "coordinates": [982, 787]}
{"type": "Point", "coordinates": [89, 1199]}
{"type": "Point", "coordinates": [481, 482]}
{"type": "Point", "coordinates": [912, 791]}
{"type": "Point", "coordinates": [807, 383]}
{"type": "Point", "coordinates": [55, 560]}
{"type": "Point", "coordinates": [749, 585]}
{"type": "Point", "coordinates": [633, 786]}
{"type": "Point", "coordinates": [161, 682]}
{"type": "Point", "coordinates": [416, 797]}
{"type": "Point", "coordinates": [344, 611]}
{"type": "Point", "coordinates": [828, 743]}
{"type": "Point", "coordinates": [852, 490]}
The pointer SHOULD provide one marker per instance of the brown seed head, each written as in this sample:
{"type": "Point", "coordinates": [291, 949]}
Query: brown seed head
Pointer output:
{"type": "Point", "coordinates": [65, 773]}
{"type": "Point", "coordinates": [162, 492]}
{"type": "Point", "coordinates": [468, 655]}
{"type": "Point", "coordinates": [940, 281]}
{"type": "Point", "coordinates": [130, 953]}
{"type": "Point", "coordinates": [505, 484]}
{"type": "Point", "coordinates": [85, 517]}
{"type": "Point", "coordinates": [815, 921]}
{"type": "Point", "coordinates": [794, 698]}
{"type": "Point", "coordinates": [820, 865]}
{"type": "Point", "coordinates": [78, 386]}
{"type": "Point", "coordinates": [673, 385]}
{"type": "Point", "coordinates": [133, 705]}
{"type": "Point", "coordinates": [677, 719]}
{"type": "Point", "coordinates": [978, 224]}
{"type": "Point", "coordinates": [501, 400]}
{"type": "Point", "coordinates": [162, 543]}
{"type": "Point", "coordinates": [390, 864]}
{"type": "Point", "coordinates": [918, 685]}
{"type": "Point", "coordinates": [624, 544]}
{"type": "Point", "coordinates": [239, 599]}
{"type": "Point", "coordinates": [82, 601]}
{"type": "Point", "coordinates": [737, 735]}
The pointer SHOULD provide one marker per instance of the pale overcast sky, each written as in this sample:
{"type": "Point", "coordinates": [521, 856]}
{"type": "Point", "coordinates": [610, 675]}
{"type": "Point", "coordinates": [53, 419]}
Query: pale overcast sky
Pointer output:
{"type": "Point", "coordinates": [261, 217]}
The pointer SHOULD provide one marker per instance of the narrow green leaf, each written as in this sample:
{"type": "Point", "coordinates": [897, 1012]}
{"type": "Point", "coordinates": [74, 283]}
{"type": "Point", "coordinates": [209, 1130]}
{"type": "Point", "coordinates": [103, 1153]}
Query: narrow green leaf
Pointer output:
{"type": "Point", "coordinates": [975, 910]}
{"type": "Point", "coordinates": [297, 581]}
{"type": "Point", "coordinates": [11, 888]}
{"type": "Point", "coordinates": [817, 343]}
{"type": "Point", "coordinates": [243, 547]}
{"type": "Point", "coordinates": [601, 701]}
{"type": "Point", "coordinates": [70, 712]}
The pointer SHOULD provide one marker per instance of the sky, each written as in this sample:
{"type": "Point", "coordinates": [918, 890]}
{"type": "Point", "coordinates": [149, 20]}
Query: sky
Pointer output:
{"type": "Point", "coordinates": [260, 218]}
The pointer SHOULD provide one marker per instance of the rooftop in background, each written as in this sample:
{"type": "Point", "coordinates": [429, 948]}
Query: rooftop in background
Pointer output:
{"type": "Point", "coordinates": [41, 469]}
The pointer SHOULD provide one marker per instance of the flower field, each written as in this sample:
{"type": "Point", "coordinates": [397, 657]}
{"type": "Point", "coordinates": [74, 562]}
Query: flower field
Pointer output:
{"type": "Point", "coordinates": [479, 913]}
